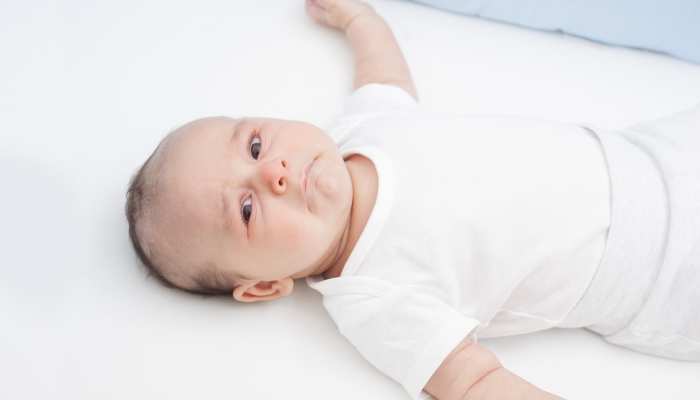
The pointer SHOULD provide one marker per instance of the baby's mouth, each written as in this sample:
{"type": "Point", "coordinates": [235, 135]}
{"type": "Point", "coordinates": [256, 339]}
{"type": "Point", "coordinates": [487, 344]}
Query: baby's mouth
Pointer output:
{"type": "Point", "coordinates": [305, 181]}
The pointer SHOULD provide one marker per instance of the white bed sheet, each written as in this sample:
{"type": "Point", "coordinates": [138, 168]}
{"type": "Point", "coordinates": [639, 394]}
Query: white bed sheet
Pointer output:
{"type": "Point", "coordinates": [87, 89]}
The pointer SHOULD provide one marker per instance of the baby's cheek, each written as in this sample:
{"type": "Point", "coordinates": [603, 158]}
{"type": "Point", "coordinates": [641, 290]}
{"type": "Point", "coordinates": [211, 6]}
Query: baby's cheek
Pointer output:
{"type": "Point", "coordinates": [291, 231]}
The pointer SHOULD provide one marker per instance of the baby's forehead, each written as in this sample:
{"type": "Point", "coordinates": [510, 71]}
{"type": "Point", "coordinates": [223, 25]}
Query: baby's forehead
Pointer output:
{"type": "Point", "coordinates": [192, 161]}
{"type": "Point", "coordinates": [203, 138]}
{"type": "Point", "coordinates": [209, 127]}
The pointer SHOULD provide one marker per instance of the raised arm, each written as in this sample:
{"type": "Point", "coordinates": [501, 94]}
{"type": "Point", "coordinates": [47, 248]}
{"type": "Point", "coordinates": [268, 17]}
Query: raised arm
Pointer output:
{"type": "Point", "coordinates": [472, 372]}
{"type": "Point", "coordinates": [469, 371]}
{"type": "Point", "coordinates": [378, 58]}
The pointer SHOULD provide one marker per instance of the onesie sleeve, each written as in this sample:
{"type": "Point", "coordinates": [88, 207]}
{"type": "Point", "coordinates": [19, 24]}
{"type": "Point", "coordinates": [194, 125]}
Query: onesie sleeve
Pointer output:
{"type": "Point", "coordinates": [377, 97]}
{"type": "Point", "coordinates": [405, 332]}
{"type": "Point", "coordinates": [370, 100]}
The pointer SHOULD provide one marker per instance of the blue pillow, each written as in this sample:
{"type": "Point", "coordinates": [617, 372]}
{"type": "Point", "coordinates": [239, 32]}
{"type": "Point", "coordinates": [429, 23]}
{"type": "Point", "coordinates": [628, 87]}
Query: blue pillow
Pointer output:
{"type": "Point", "coordinates": [667, 26]}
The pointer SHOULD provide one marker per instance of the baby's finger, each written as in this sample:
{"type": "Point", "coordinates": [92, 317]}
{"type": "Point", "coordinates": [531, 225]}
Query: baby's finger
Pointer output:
{"type": "Point", "coordinates": [316, 10]}
{"type": "Point", "coordinates": [312, 3]}
{"type": "Point", "coordinates": [326, 4]}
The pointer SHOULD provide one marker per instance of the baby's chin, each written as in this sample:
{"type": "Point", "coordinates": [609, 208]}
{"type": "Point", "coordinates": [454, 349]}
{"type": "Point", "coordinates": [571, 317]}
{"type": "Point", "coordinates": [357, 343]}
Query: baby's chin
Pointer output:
{"type": "Point", "coordinates": [330, 190]}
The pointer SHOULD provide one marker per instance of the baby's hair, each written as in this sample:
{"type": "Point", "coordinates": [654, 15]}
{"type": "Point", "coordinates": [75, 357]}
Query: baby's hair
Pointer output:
{"type": "Point", "coordinates": [141, 204]}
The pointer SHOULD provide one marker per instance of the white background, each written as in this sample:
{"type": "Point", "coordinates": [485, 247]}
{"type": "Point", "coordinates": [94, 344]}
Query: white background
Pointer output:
{"type": "Point", "coordinates": [87, 90]}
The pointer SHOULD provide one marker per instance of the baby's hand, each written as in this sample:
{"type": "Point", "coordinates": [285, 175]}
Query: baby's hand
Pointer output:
{"type": "Point", "coordinates": [378, 58]}
{"type": "Point", "coordinates": [337, 13]}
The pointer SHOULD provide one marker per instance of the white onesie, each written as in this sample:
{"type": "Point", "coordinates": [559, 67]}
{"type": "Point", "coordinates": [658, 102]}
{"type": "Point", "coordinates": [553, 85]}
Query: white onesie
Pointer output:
{"type": "Point", "coordinates": [483, 226]}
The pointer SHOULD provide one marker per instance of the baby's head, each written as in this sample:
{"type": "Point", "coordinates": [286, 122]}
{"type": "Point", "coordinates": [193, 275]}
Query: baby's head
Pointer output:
{"type": "Point", "coordinates": [240, 206]}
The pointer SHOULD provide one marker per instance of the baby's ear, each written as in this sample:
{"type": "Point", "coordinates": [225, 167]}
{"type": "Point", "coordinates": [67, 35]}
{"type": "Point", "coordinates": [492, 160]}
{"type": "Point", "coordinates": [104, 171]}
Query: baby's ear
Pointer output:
{"type": "Point", "coordinates": [263, 290]}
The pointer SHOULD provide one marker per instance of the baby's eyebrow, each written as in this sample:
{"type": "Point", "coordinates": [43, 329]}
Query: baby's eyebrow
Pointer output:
{"type": "Point", "coordinates": [237, 131]}
{"type": "Point", "coordinates": [226, 213]}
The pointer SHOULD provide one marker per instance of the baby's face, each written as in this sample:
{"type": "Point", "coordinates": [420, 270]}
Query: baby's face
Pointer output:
{"type": "Point", "coordinates": [264, 198]}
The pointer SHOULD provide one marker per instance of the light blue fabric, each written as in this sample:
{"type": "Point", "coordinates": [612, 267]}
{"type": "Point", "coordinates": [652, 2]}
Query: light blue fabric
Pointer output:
{"type": "Point", "coordinates": [666, 26]}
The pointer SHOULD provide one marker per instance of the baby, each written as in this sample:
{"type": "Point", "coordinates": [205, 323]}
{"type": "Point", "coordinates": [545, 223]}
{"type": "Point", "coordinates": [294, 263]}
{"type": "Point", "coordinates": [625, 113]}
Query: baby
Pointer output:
{"type": "Point", "coordinates": [424, 231]}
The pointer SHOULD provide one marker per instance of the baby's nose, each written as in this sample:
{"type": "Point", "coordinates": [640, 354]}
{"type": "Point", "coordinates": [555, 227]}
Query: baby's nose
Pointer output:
{"type": "Point", "coordinates": [275, 175]}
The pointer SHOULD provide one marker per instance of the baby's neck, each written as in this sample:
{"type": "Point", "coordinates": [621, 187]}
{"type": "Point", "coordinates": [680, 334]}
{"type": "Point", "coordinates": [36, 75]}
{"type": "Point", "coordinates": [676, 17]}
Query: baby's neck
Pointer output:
{"type": "Point", "coordinates": [364, 179]}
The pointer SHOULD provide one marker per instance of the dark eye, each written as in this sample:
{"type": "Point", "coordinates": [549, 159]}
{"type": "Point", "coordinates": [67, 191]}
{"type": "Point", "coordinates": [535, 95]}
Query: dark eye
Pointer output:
{"type": "Point", "coordinates": [245, 210]}
{"type": "Point", "coordinates": [255, 147]}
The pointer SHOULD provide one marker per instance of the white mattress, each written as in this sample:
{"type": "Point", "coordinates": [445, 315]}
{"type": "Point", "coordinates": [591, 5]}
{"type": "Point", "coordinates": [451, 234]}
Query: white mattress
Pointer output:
{"type": "Point", "coordinates": [87, 89]}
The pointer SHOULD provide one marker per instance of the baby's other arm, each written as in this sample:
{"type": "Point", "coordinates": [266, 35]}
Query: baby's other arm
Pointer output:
{"type": "Point", "coordinates": [378, 58]}
{"type": "Point", "coordinates": [472, 372]}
